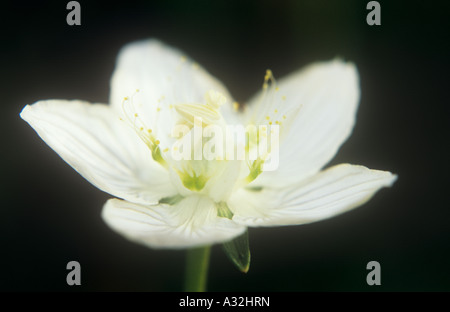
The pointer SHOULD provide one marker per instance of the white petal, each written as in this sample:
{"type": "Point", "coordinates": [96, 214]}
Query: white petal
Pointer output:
{"type": "Point", "coordinates": [191, 222]}
{"type": "Point", "coordinates": [222, 184]}
{"type": "Point", "coordinates": [330, 192]}
{"type": "Point", "coordinates": [102, 148]}
{"type": "Point", "coordinates": [320, 107]}
{"type": "Point", "coordinates": [164, 77]}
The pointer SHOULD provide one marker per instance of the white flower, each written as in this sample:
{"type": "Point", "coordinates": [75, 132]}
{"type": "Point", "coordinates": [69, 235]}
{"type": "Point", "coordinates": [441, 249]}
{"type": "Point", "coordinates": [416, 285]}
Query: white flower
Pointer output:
{"type": "Point", "coordinates": [125, 149]}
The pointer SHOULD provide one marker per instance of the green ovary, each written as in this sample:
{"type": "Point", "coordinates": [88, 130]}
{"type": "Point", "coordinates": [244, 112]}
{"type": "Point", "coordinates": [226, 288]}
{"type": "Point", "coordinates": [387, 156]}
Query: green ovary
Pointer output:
{"type": "Point", "coordinates": [193, 183]}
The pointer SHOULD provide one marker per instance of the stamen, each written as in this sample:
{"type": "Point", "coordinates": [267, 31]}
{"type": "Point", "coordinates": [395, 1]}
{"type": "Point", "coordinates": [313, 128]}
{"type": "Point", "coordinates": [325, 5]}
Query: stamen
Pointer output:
{"type": "Point", "coordinates": [270, 88]}
{"type": "Point", "coordinates": [137, 124]}
{"type": "Point", "coordinates": [162, 98]}
{"type": "Point", "coordinates": [255, 170]}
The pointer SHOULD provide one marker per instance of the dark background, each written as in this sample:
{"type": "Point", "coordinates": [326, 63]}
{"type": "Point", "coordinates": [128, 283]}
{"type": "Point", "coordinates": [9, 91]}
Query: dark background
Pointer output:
{"type": "Point", "coordinates": [50, 215]}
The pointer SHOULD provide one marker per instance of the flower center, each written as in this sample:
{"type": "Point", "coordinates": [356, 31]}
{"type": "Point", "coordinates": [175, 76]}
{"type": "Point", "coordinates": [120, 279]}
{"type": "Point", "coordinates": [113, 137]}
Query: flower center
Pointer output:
{"type": "Point", "coordinates": [196, 142]}
{"type": "Point", "coordinates": [192, 168]}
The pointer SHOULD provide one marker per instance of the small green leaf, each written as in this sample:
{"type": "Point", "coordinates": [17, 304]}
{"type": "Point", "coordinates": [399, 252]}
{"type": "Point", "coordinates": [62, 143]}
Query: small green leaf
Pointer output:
{"type": "Point", "coordinates": [254, 188]}
{"type": "Point", "coordinates": [238, 251]}
{"type": "Point", "coordinates": [172, 200]}
{"type": "Point", "coordinates": [224, 211]}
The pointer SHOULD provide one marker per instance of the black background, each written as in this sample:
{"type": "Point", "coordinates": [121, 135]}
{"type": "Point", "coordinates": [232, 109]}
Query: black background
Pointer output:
{"type": "Point", "coordinates": [50, 215]}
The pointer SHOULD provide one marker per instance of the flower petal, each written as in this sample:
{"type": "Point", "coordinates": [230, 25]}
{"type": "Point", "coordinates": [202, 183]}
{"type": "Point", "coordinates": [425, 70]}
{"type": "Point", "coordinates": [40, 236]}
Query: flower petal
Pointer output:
{"type": "Point", "coordinates": [103, 149]}
{"type": "Point", "coordinates": [318, 106]}
{"type": "Point", "coordinates": [324, 195]}
{"type": "Point", "coordinates": [191, 222]}
{"type": "Point", "coordinates": [164, 77]}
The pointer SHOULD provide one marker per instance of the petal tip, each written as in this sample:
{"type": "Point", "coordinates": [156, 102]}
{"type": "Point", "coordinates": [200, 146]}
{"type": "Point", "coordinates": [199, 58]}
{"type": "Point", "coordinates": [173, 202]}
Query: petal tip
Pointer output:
{"type": "Point", "coordinates": [25, 112]}
{"type": "Point", "coordinates": [392, 178]}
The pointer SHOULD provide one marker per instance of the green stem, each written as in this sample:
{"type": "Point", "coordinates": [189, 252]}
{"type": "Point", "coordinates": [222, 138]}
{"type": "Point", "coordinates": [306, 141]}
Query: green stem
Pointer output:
{"type": "Point", "coordinates": [197, 263]}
